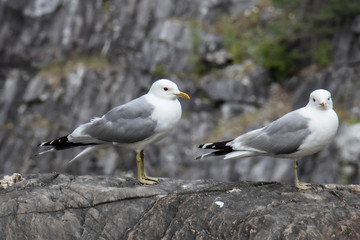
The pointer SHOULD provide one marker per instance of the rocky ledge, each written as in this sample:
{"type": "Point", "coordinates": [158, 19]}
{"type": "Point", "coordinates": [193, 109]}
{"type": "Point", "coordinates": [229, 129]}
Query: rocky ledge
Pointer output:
{"type": "Point", "coordinates": [97, 207]}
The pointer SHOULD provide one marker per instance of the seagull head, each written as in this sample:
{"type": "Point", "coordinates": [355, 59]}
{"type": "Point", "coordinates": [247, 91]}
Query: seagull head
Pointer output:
{"type": "Point", "coordinates": [166, 89]}
{"type": "Point", "coordinates": [321, 99]}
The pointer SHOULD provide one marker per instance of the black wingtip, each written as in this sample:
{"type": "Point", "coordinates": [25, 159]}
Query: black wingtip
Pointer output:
{"type": "Point", "coordinates": [207, 145]}
{"type": "Point", "coordinates": [214, 153]}
{"type": "Point", "coordinates": [64, 143]}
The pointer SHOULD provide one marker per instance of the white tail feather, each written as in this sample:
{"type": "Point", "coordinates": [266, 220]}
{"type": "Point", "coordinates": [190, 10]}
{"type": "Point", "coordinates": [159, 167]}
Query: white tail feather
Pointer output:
{"type": "Point", "coordinates": [41, 153]}
{"type": "Point", "coordinates": [238, 154]}
{"type": "Point", "coordinates": [204, 155]}
{"type": "Point", "coordinates": [83, 153]}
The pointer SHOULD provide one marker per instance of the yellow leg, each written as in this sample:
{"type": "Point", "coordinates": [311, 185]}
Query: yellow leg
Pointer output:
{"type": "Point", "coordinates": [140, 166]}
{"type": "Point", "coordinates": [142, 156]}
{"type": "Point", "coordinates": [299, 185]}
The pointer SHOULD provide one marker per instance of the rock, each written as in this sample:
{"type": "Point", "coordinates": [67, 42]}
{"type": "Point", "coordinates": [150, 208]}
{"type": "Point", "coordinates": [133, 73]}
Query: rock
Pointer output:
{"type": "Point", "coordinates": [35, 91]}
{"type": "Point", "coordinates": [340, 81]}
{"type": "Point", "coordinates": [347, 151]}
{"type": "Point", "coordinates": [95, 207]}
{"type": "Point", "coordinates": [38, 8]}
{"type": "Point", "coordinates": [237, 83]}
{"type": "Point", "coordinates": [218, 58]}
{"type": "Point", "coordinates": [10, 95]}
{"type": "Point", "coordinates": [347, 143]}
{"type": "Point", "coordinates": [345, 44]}
{"type": "Point", "coordinates": [37, 32]}
{"type": "Point", "coordinates": [141, 41]}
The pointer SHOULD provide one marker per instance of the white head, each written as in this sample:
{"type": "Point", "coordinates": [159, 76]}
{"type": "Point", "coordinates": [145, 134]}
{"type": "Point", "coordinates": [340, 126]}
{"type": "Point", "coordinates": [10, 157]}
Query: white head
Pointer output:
{"type": "Point", "coordinates": [321, 99]}
{"type": "Point", "coordinates": [166, 89]}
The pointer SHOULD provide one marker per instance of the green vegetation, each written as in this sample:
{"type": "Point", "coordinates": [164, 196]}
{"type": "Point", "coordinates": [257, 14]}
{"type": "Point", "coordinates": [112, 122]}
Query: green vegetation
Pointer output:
{"type": "Point", "coordinates": [196, 32]}
{"type": "Point", "coordinates": [107, 7]}
{"type": "Point", "coordinates": [352, 121]}
{"type": "Point", "coordinates": [159, 71]}
{"type": "Point", "coordinates": [61, 68]}
{"type": "Point", "coordinates": [322, 53]}
{"type": "Point", "coordinates": [333, 9]}
{"type": "Point", "coordinates": [283, 36]}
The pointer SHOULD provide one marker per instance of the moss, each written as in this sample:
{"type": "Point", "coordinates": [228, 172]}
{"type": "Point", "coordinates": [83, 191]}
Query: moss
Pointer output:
{"type": "Point", "coordinates": [353, 121]}
{"type": "Point", "coordinates": [37, 121]}
{"type": "Point", "coordinates": [238, 49]}
{"type": "Point", "coordinates": [196, 33]}
{"type": "Point", "coordinates": [107, 6]}
{"type": "Point", "coordinates": [159, 71]}
{"type": "Point", "coordinates": [246, 36]}
{"type": "Point", "coordinates": [61, 68]}
{"type": "Point", "coordinates": [6, 126]}
{"type": "Point", "coordinates": [276, 58]}
{"type": "Point", "coordinates": [322, 53]}
{"type": "Point", "coordinates": [286, 4]}
{"type": "Point", "coordinates": [330, 10]}
{"type": "Point", "coordinates": [288, 39]}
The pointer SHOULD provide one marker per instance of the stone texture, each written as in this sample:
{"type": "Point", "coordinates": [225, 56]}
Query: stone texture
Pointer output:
{"type": "Point", "coordinates": [141, 42]}
{"type": "Point", "coordinates": [238, 83]}
{"type": "Point", "coordinates": [95, 207]}
{"type": "Point", "coordinates": [34, 33]}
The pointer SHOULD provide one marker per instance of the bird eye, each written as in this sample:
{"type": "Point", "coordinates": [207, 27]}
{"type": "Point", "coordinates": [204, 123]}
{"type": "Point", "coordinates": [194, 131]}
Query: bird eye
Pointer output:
{"type": "Point", "coordinates": [328, 99]}
{"type": "Point", "coordinates": [314, 100]}
{"type": "Point", "coordinates": [165, 88]}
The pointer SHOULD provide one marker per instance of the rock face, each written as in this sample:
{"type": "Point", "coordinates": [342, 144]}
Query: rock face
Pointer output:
{"type": "Point", "coordinates": [36, 32]}
{"type": "Point", "coordinates": [50, 82]}
{"type": "Point", "coordinates": [85, 207]}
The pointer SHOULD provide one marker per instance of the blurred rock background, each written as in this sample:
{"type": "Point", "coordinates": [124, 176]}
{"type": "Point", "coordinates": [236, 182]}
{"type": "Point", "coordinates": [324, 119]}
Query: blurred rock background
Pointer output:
{"type": "Point", "coordinates": [244, 63]}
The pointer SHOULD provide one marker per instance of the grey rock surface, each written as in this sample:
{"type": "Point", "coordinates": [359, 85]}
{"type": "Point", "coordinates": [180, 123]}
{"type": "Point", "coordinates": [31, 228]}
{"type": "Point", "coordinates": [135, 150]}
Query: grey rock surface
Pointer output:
{"type": "Point", "coordinates": [34, 33]}
{"type": "Point", "coordinates": [141, 41]}
{"type": "Point", "coordinates": [347, 143]}
{"type": "Point", "coordinates": [238, 83]}
{"type": "Point", "coordinates": [57, 206]}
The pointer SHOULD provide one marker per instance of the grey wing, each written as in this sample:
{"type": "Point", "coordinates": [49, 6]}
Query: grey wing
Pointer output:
{"type": "Point", "coordinates": [283, 136]}
{"type": "Point", "coordinates": [127, 123]}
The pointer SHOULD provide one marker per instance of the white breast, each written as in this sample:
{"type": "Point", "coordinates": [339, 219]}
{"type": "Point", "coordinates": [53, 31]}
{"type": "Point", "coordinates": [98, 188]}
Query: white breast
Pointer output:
{"type": "Point", "coordinates": [323, 127]}
{"type": "Point", "coordinates": [167, 113]}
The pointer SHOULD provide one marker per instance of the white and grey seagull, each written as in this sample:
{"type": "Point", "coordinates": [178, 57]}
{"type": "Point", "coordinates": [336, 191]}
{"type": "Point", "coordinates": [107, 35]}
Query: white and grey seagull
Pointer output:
{"type": "Point", "coordinates": [134, 125]}
{"type": "Point", "coordinates": [299, 133]}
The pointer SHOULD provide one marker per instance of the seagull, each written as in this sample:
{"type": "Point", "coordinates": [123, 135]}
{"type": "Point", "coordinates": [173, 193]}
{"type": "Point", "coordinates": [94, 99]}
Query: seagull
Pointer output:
{"type": "Point", "coordinates": [133, 125]}
{"type": "Point", "coordinates": [299, 133]}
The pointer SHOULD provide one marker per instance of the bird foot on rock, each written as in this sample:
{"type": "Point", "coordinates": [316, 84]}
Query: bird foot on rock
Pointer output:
{"type": "Point", "coordinates": [147, 181]}
{"type": "Point", "coordinates": [151, 179]}
{"type": "Point", "coordinates": [302, 185]}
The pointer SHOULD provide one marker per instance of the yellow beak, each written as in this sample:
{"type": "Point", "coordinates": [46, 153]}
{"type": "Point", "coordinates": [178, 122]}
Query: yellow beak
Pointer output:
{"type": "Point", "coordinates": [183, 95]}
{"type": "Point", "coordinates": [323, 104]}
